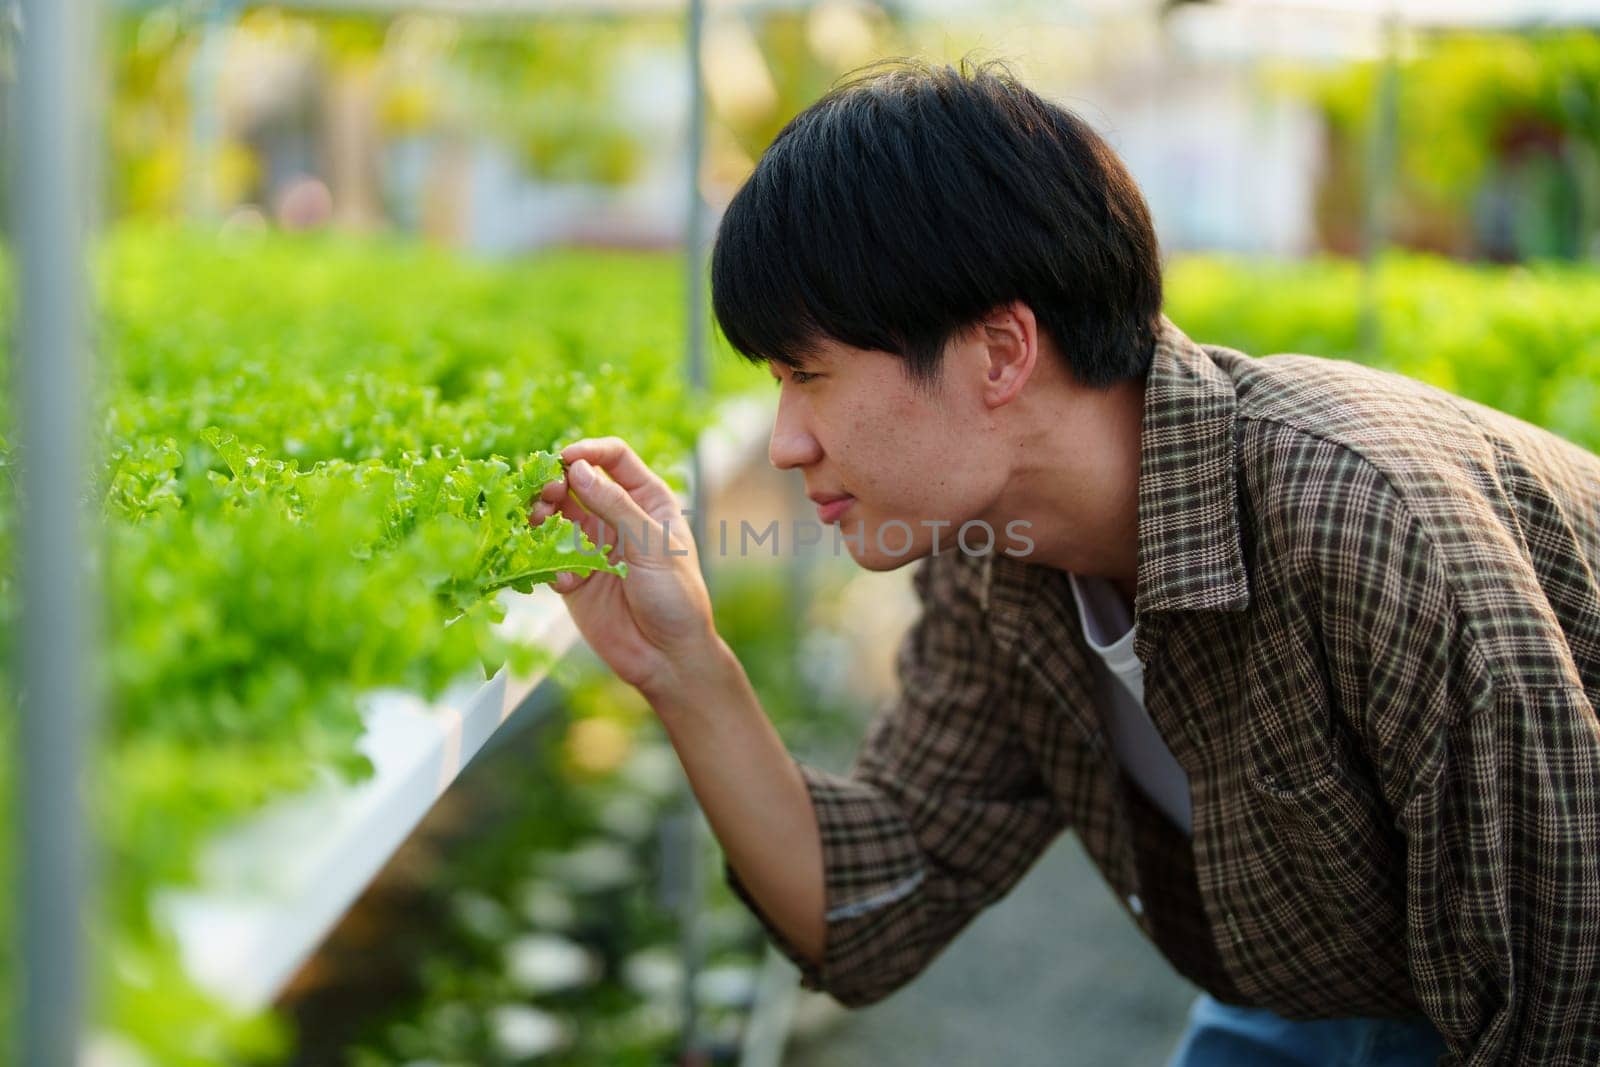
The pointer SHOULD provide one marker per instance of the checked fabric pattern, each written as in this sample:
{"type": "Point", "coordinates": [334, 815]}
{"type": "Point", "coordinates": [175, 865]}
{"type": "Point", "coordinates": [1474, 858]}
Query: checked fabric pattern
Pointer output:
{"type": "Point", "coordinates": [1369, 617]}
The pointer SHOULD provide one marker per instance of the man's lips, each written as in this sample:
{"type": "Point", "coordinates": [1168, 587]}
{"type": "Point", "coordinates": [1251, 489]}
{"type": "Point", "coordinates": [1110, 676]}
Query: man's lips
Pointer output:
{"type": "Point", "coordinates": [830, 506]}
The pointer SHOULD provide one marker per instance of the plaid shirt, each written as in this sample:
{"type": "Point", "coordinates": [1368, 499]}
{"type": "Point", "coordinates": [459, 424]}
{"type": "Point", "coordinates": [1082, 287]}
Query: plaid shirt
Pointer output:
{"type": "Point", "coordinates": [1369, 617]}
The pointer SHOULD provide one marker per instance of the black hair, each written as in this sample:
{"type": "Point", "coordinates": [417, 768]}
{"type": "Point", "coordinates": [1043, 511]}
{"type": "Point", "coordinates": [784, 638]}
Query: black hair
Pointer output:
{"type": "Point", "coordinates": [911, 200]}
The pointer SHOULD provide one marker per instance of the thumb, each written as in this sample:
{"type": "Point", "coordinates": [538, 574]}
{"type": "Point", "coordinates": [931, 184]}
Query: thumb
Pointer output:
{"type": "Point", "coordinates": [607, 500]}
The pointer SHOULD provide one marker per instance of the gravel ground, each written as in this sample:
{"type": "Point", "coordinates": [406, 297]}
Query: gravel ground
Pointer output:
{"type": "Point", "coordinates": [1054, 974]}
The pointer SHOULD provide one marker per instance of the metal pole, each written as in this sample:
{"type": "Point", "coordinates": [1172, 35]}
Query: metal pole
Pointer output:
{"type": "Point", "coordinates": [1382, 161]}
{"type": "Point", "coordinates": [54, 653]}
{"type": "Point", "coordinates": [686, 835]}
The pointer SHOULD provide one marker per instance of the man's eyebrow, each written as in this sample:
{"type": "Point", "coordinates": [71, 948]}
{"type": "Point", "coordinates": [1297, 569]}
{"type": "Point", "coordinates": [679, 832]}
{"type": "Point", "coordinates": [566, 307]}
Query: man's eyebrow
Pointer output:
{"type": "Point", "coordinates": [800, 359]}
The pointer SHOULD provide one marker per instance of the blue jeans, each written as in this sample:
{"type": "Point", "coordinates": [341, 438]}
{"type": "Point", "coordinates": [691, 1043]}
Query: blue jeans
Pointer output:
{"type": "Point", "coordinates": [1221, 1035]}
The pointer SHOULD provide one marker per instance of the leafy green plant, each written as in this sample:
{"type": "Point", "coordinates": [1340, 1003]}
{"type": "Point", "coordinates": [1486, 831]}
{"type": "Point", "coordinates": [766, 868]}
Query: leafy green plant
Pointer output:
{"type": "Point", "coordinates": [317, 460]}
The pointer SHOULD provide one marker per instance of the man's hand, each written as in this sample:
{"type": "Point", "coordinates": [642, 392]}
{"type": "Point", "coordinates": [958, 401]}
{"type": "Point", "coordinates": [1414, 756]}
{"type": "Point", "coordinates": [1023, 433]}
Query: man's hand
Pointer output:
{"type": "Point", "coordinates": [654, 627]}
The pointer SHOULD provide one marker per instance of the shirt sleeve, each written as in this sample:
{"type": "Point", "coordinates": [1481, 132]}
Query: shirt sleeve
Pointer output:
{"type": "Point", "coordinates": [1503, 856]}
{"type": "Point", "coordinates": [942, 812]}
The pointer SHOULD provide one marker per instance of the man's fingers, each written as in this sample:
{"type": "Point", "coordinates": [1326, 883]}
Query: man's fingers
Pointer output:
{"type": "Point", "coordinates": [606, 499]}
{"type": "Point", "coordinates": [593, 527]}
{"type": "Point", "coordinates": [612, 455]}
{"type": "Point", "coordinates": [568, 582]}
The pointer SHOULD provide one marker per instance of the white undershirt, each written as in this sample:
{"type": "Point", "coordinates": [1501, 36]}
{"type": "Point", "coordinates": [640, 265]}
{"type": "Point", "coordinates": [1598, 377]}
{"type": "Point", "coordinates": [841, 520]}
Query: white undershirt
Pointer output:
{"type": "Point", "coordinates": [1108, 629]}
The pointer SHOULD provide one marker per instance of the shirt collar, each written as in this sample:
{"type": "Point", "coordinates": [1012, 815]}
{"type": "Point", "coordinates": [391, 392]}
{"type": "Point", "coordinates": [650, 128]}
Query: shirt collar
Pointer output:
{"type": "Point", "coordinates": [1190, 555]}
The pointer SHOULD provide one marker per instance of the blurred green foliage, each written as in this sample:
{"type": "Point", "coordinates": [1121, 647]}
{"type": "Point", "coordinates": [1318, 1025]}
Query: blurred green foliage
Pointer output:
{"type": "Point", "coordinates": [579, 99]}
{"type": "Point", "coordinates": [509, 876]}
{"type": "Point", "coordinates": [595, 776]}
{"type": "Point", "coordinates": [552, 90]}
{"type": "Point", "coordinates": [1525, 340]}
{"type": "Point", "coordinates": [545, 87]}
{"type": "Point", "coordinates": [1517, 115]}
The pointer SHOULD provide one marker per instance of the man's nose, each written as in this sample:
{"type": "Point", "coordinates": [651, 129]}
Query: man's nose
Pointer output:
{"type": "Point", "coordinates": [792, 444]}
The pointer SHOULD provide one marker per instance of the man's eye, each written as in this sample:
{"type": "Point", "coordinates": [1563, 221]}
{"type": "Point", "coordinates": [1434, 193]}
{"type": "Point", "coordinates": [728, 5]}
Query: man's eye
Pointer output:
{"type": "Point", "coordinates": [799, 377]}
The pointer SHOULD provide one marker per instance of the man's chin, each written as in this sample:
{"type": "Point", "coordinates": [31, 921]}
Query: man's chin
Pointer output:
{"type": "Point", "coordinates": [877, 564]}
{"type": "Point", "coordinates": [872, 559]}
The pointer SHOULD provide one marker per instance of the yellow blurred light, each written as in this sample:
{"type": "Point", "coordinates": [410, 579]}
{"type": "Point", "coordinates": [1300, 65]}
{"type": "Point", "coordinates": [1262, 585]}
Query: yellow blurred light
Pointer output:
{"type": "Point", "coordinates": [597, 745]}
{"type": "Point", "coordinates": [738, 83]}
{"type": "Point", "coordinates": [840, 33]}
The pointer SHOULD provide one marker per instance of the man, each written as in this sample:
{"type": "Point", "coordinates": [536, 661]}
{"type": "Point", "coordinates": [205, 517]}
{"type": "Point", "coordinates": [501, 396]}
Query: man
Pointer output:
{"type": "Point", "coordinates": [1307, 654]}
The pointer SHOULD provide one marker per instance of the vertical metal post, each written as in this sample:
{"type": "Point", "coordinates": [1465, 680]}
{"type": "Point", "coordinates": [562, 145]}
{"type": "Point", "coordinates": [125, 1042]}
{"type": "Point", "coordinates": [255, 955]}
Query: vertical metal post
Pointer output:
{"type": "Point", "coordinates": [687, 835]}
{"type": "Point", "coordinates": [1382, 162]}
{"type": "Point", "coordinates": [54, 651]}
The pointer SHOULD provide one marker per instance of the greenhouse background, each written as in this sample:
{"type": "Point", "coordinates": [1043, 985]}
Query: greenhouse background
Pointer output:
{"type": "Point", "coordinates": [302, 314]}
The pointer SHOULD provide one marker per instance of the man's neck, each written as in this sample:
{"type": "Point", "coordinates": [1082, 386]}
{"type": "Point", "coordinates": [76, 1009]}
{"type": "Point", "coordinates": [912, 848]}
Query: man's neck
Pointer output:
{"type": "Point", "coordinates": [1078, 484]}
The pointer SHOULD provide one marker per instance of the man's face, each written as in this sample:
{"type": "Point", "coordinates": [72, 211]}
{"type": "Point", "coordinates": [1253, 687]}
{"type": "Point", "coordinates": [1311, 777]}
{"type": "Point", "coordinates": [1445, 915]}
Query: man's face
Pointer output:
{"type": "Point", "coordinates": [905, 460]}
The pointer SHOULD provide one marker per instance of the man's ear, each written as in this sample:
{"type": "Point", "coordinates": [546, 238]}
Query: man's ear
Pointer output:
{"type": "Point", "coordinates": [1010, 336]}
